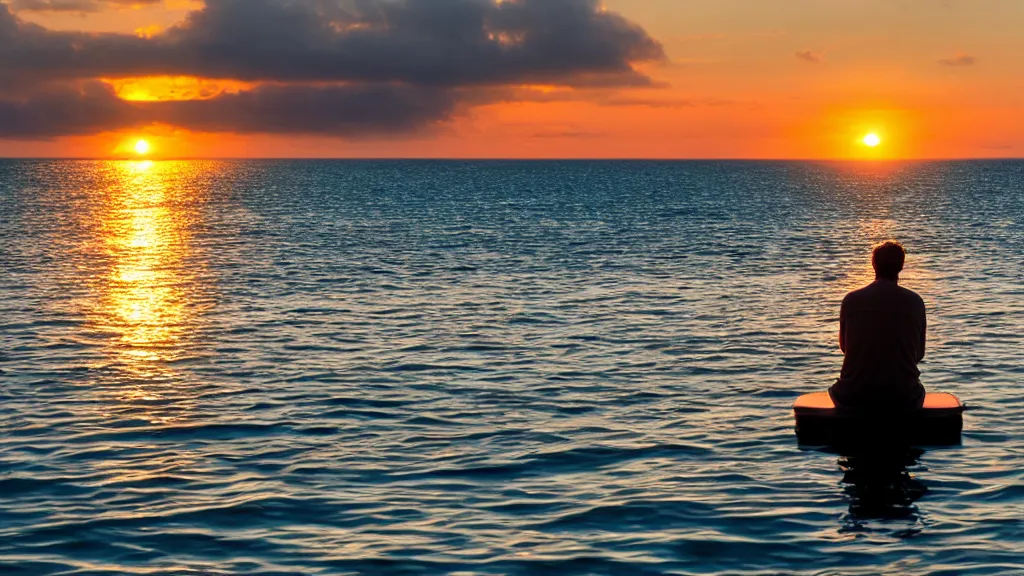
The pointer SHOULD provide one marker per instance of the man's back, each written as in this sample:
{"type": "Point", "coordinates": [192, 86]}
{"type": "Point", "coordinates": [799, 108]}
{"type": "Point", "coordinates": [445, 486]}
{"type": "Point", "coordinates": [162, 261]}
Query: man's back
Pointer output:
{"type": "Point", "coordinates": [882, 331]}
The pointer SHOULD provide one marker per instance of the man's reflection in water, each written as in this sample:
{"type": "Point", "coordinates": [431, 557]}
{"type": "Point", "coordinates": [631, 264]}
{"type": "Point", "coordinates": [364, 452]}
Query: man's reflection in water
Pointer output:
{"type": "Point", "coordinates": [880, 486]}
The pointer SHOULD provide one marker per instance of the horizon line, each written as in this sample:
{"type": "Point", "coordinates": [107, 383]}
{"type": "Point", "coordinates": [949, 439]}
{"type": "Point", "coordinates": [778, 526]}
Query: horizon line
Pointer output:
{"type": "Point", "coordinates": [506, 159]}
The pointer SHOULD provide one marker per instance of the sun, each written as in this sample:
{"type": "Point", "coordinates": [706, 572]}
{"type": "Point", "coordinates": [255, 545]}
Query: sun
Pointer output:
{"type": "Point", "coordinates": [872, 140]}
{"type": "Point", "coordinates": [142, 147]}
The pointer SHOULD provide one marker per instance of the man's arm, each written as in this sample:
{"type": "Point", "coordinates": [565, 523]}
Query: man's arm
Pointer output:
{"type": "Point", "coordinates": [924, 334]}
{"type": "Point", "coordinates": [842, 327]}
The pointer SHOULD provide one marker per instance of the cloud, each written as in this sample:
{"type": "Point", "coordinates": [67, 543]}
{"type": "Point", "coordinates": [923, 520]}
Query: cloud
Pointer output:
{"type": "Point", "coordinates": [347, 110]}
{"type": "Point", "coordinates": [959, 60]}
{"type": "Point", "coordinates": [87, 110]}
{"type": "Point", "coordinates": [335, 67]}
{"type": "Point", "coordinates": [425, 42]}
{"type": "Point", "coordinates": [350, 111]}
{"type": "Point", "coordinates": [77, 6]}
{"type": "Point", "coordinates": [810, 56]}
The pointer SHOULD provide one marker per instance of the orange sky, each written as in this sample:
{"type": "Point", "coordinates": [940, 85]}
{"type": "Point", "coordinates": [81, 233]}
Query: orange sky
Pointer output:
{"type": "Point", "coordinates": [744, 79]}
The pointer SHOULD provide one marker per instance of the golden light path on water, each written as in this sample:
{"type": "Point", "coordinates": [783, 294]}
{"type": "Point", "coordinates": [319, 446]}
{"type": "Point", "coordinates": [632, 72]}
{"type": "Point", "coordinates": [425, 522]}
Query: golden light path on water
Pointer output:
{"type": "Point", "coordinates": [144, 300]}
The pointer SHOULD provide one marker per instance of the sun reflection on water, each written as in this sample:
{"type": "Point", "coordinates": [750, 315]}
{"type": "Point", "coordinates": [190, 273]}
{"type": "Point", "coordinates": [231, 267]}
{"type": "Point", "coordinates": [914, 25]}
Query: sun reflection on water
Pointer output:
{"type": "Point", "coordinates": [145, 296]}
{"type": "Point", "coordinates": [145, 302]}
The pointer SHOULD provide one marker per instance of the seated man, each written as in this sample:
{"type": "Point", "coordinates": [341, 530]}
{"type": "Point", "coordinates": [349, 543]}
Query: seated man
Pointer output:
{"type": "Point", "coordinates": [882, 332]}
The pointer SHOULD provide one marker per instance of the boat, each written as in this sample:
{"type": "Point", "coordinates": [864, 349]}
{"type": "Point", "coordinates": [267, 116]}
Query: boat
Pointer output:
{"type": "Point", "coordinates": [938, 423]}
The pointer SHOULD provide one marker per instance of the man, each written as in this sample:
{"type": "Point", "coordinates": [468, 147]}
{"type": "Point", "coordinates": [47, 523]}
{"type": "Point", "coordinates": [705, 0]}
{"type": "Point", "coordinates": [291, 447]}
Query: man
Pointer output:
{"type": "Point", "coordinates": [882, 332]}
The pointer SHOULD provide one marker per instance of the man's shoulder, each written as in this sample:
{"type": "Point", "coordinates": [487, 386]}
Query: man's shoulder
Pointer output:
{"type": "Point", "coordinates": [882, 292]}
{"type": "Point", "coordinates": [859, 294]}
{"type": "Point", "coordinates": [911, 295]}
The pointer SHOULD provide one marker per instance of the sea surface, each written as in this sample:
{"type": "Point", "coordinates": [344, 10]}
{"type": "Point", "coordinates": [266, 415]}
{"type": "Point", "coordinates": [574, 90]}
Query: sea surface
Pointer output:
{"type": "Point", "coordinates": [520, 368]}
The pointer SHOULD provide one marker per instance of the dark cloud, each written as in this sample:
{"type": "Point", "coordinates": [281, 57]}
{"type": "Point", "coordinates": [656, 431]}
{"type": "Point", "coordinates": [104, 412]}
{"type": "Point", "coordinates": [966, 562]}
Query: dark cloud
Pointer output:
{"type": "Point", "coordinates": [342, 110]}
{"type": "Point", "coordinates": [341, 67]}
{"type": "Point", "coordinates": [77, 6]}
{"type": "Point", "coordinates": [810, 56]}
{"type": "Point", "coordinates": [349, 111]}
{"type": "Point", "coordinates": [959, 60]}
{"type": "Point", "coordinates": [86, 110]}
{"type": "Point", "coordinates": [424, 42]}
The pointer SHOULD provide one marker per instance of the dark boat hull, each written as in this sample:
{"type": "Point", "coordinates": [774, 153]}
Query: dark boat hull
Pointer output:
{"type": "Point", "coordinates": [819, 422]}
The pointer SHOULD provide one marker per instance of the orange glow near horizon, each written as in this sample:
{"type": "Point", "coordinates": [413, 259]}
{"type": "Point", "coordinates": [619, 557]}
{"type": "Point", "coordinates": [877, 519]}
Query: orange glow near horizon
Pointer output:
{"type": "Point", "coordinates": [155, 142]}
{"type": "Point", "coordinates": [644, 125]}
{"type": "Point", "coordinates": [561, 129]}
{"type": "Point", "coordinates": [560, 122]}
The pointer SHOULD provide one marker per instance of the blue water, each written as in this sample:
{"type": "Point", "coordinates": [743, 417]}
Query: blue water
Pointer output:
{"type": "Point", "coordinates": [491, 368]}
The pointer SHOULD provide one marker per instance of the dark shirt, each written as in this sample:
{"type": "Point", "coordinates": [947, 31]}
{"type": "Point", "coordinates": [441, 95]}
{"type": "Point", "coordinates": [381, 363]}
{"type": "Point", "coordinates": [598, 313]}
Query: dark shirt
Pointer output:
{"type": "Point", "coordinates": [882, 332]}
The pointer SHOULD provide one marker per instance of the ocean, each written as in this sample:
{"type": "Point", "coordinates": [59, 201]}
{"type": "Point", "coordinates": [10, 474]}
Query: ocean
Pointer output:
{"type": "Point", "coordinates": [522, 368]}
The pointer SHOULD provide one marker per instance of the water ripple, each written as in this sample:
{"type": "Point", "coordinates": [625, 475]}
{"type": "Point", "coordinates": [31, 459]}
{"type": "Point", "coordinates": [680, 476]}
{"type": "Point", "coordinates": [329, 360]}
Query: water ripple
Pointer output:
{"type": "Point", "coordinates": [272, 368]}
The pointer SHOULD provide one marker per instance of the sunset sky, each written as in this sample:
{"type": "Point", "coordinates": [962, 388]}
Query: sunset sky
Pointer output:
{"type": "Point", "coordinates": [512, 79]}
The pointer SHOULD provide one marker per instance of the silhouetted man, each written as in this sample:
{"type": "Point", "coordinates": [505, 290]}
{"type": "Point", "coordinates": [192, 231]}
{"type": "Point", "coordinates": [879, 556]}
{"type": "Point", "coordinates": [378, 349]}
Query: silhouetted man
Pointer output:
{"type": "Point", "coordinates": [882, 332]}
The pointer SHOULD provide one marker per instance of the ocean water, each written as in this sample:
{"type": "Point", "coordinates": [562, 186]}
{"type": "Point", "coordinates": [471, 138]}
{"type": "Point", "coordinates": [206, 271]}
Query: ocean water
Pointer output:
{"type": "Point", "coordinates": [492, 367]}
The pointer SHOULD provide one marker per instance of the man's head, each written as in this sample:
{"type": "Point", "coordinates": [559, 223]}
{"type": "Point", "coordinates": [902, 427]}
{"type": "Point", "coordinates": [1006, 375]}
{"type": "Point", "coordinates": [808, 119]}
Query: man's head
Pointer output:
{"type": "Point", "coordinates": [888, 259]}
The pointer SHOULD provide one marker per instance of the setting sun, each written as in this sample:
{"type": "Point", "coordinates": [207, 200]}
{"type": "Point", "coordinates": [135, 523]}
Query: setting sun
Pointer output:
{"type": "Point", "coordinates": [872, 140]}
{"type": "Point", "coordinates": [142, 147]}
